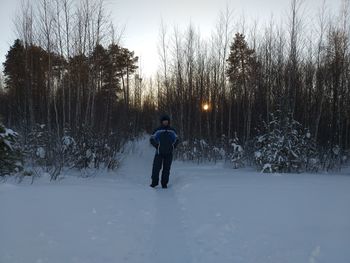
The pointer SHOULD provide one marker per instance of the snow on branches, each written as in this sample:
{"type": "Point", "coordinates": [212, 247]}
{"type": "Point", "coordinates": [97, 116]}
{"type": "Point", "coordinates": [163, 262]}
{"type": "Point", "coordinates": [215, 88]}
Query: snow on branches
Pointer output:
{"type": "Point", "coordinates": [10, 156]}
{"type": "Point", "coordinates": [285, 146]}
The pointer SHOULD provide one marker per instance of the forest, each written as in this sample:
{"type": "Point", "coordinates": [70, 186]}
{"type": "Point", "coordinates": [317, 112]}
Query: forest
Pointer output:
{"type": "Point", "coordinates": [275, 94]}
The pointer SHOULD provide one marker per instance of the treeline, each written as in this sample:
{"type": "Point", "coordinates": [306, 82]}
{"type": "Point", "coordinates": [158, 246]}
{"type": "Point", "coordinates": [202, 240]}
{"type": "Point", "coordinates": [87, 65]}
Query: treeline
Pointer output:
{"type": "Point", "coordinates": [300, 67]}
{"type": "Point", "coordinates": [72, 92]}
{"type": "Point", "coordinates": [81, 91]}
{"type": "Point", "coordinates": [68, 71]}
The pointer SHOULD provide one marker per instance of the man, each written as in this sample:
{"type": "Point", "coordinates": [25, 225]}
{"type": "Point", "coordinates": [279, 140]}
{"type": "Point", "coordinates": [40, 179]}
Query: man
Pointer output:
{"type": "Point", "coordinates": [165, 140]}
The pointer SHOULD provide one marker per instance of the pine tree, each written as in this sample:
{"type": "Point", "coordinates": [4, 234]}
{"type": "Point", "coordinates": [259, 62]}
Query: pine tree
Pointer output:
{"type": "Point", "coordinates": [241, 71]}
{"type": "Point", "coordinates": [284, 146]}
{"type": "Point", "coordinates": [15, 73]}
{"type": "Point", "coordinates": [10, 157]}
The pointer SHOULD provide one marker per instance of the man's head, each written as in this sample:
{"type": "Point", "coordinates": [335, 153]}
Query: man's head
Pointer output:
{"type": "Point", "coordinates": [165, 120]}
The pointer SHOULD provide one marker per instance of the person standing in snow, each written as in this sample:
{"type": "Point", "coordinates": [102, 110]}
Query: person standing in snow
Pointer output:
{"type": "Point", "coordinates": [165, 140]}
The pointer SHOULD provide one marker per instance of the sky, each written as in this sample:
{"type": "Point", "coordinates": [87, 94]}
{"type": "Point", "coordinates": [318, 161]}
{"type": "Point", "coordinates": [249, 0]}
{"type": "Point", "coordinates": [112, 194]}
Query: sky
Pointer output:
{"type": "Point", "coordinates": [142, 18]}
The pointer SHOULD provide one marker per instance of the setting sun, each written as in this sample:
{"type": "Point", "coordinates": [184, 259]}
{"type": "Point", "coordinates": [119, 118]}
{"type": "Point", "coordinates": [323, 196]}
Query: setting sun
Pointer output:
{"type": "Point", "coordinates": [205, 106]}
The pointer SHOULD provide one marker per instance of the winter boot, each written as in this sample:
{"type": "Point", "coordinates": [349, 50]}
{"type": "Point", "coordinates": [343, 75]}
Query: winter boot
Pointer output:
{"type": "Point", "coordinates": [153, 185]}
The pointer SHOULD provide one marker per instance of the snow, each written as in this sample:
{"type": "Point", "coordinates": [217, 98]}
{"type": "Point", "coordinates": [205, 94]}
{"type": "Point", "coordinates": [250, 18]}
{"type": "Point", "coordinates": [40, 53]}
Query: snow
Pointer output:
{"type": "Point", "coordinates": [9, 132]}
{"type": "Point", "coordinates": [336, 150]}
{"type": "Point", "coordinates": [8, 143]}
{"type": "Point", "coordinates": [209, 213]}
{"type": "Point", "coordinates": [68, 141]}
{"type": "Point", "coordinates": [267, 166]}
{"type": "Point", "coordinates": [257, 154]}
{"type": "Point", "coordinates": [40, 152]}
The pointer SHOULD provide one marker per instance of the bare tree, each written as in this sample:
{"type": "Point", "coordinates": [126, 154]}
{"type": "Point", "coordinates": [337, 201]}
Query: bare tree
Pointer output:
{"type": "Point", "coordinates": [320, 61]}
{"type": "Point", "coordinates": [163, 54]}
{"type": "Point", "coordinates": [294, 35]}
{"type": "Point", "coordinates": [24, 24]}
{"type": "Point", "coordinates": [46, 20]}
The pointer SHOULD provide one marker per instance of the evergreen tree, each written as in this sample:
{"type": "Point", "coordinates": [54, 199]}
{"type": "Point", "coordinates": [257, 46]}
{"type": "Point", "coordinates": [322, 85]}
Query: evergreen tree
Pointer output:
{"type": "Point", "coordinates": [241, 71]}
{"type": "Point", "coordinates": [10, 157]}
{"type": "Point", "coordinates": [14, 71]}
{"type": "Point", "coordinates": [284, 146]}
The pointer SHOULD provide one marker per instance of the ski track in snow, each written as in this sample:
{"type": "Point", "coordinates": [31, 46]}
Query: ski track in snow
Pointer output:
{"type": "Point", "coordinates": [170, 241]}
{"type": "Point", "coordinates": [168, 236]}
{"type": "Point", "coordinates": [208, 214]}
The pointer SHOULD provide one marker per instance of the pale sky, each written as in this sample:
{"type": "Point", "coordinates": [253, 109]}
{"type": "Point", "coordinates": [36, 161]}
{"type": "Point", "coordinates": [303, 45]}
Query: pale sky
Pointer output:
{"type": "Point", "coordinates": [142, 20]}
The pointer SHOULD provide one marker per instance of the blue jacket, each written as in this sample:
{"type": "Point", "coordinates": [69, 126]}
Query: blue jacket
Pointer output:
{"type": "Point", "coordinates": [164, 139]}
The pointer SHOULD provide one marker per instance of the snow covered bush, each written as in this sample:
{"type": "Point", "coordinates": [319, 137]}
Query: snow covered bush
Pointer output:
{"type": "Point", "coordinates": [200, 150]}
{"type": "Point", "coordinates": [284, 146]}
{"type": "Point", "coordinates": [42, 151]}
{"type": "Point", "coordinates": [332, 158]}
{"type": "Point", "coordinates": [93, 150]}
{"type": "Point", "coordinates": [233, 151]}
{"type": "Point", "coordinates": [38, 146]}
{"type": "Point", "coordinates": [191, 150]}
{"type": "Point", "coordinates": [10, 155]}
{"type": "Point", "coordinates": [84, 150]}
{"type": "Point", "coordinates": [84, 153]}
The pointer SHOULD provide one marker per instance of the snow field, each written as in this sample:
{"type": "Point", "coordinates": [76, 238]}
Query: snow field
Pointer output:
{"type": "Point", "coordinates": [209, 213]}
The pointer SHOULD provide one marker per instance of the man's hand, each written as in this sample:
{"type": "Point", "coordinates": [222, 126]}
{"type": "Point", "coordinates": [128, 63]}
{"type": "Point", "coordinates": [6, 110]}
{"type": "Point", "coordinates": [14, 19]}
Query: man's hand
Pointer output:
{"type": "Point", "coordinates": [176, 143]}
{"type": "Point", "coordinates": [154, 143]}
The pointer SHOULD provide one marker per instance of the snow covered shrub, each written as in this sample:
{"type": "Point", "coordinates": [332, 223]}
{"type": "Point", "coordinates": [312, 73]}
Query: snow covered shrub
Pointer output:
{"type": "Point", "coordinates": [93, 150]}
{"type": "Point", "coordinates": [84, 150]}
{"type": "Point", "coordinates": [10, 155]}
{"type": "Point", "coordinates": [198, 150]}
{"type": "Point", "coordinates": [191, 151]}
{"type": "Point", "coordinates": [43, 151]}
{"type": "Point", "coordinates": [38, 146]}
{"type": "Point", "coordinates": [332, 158]}
{"type": "Point", "coordinates": [68, 148]}
{"type": "Point", "coordinates": [284, 146]}
{"type": "Point", "coordinates": [346, 157]}
{"type": "Point", "coordinates": [84, 154]}
{"type": "Point", "coordinates": [204, 151]}
{"type": "Point", "coordinates": [233, 151]}
{"type": "Point", "coordinates": [110, 150]}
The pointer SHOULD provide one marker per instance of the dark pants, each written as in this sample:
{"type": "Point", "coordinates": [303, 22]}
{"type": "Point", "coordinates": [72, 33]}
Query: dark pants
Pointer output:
{"type": "Point", "coordinates": [159, 161]}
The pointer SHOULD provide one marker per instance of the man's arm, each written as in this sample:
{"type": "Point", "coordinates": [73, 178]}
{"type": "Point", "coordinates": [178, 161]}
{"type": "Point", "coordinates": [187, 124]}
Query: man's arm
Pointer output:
{"type": "Point", "coordinates": [176, 142]}
{"type": "Point", "coordinates": [176, 139]}
{"type": "Point", "coordinates": [153, 139]}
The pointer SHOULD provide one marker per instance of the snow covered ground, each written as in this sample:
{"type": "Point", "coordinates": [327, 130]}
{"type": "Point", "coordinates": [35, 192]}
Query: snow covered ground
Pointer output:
{"type": "Point", "coordinates": [208, 214]}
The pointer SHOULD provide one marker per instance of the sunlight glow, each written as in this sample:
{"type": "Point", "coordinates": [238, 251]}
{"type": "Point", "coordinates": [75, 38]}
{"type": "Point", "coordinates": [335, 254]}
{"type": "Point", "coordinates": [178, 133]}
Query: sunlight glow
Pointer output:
{"type": "Point", "coordinates": [205, 106]}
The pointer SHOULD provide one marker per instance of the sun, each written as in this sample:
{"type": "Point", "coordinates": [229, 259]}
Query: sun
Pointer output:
{"type": "Point", "coordinates": [205, 106]}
